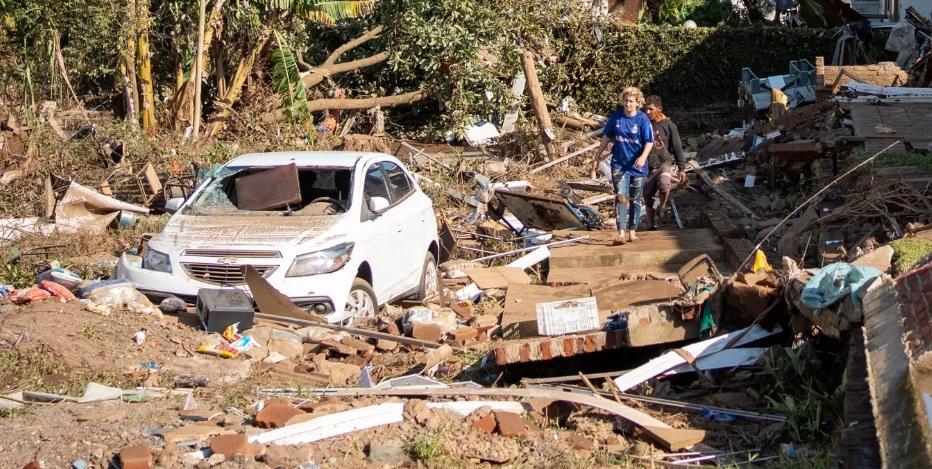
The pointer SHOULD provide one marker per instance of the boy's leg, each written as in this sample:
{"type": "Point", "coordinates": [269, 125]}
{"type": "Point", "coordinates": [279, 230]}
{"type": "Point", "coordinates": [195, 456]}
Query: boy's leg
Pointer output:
{"type": "Point", "coordinates": [650, 190]}
{"type": "Point", "coordinates": [635, 194]}
{"type": "Point", "coordinates": [620, 181]}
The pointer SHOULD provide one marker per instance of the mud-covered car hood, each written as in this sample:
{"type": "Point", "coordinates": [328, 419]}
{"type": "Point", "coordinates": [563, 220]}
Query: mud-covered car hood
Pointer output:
{"type": "Point", "coordinates": [191, 231]}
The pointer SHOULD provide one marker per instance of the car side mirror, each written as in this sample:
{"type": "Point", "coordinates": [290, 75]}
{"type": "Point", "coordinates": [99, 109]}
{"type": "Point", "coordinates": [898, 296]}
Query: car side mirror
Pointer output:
{"type": "Point", "coordinates": [172, 205]}
{"type": "Point", "coordinates": [378, 204]}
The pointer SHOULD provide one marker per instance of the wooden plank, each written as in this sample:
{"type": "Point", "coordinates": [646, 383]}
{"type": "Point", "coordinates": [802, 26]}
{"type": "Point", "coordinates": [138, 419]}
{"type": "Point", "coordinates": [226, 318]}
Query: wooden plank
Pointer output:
{"type": "Point", "coordinates": [724, 194]}
{"type": "Point", "coordinates": [498, 277]}
{"type": "Point", "coordinates": [671, 438]}
{"type": "Point", "coordinates": [539, 103]}
{"type": "Point", "coordinates": [697, 350]}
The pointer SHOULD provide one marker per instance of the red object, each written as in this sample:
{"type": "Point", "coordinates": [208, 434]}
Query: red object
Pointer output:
{"type": "Point", "coordinates": [57, 289]}
{"type": "Point", "coordinates": [30, 295]}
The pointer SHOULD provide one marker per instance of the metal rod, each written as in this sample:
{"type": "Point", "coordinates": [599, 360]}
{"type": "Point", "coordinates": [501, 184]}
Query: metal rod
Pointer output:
{"type": "Point", "coordinates": [810, 199]}
{"type": "Point", "coordinates": [516, 251]}
{"type": "Point", "coordinates": [683, 405]}
{"type": "Point", "coordinates": [351, 330]}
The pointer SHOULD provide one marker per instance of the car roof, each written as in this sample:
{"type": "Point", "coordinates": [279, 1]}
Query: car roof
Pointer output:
{"type": "Point", "coordinates": [344, 159]}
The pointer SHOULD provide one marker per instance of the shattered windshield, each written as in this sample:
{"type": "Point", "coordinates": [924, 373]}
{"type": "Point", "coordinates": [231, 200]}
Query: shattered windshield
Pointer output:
{"type": "Point", "coordinates": [278, 191]}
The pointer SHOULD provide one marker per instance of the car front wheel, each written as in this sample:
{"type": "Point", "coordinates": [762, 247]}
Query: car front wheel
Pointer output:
{"type": "Point", "coordinates": [429, 279]}
{"type": "Point", "coordinates": [361, 301]}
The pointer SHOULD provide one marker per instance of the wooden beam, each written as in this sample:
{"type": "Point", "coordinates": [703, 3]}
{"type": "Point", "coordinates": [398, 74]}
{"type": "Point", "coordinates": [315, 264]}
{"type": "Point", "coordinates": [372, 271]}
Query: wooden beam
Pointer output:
{"type": "Point", "coordinates": [539, 104]}
{"type": "Point", "coordinates": [724, 193]}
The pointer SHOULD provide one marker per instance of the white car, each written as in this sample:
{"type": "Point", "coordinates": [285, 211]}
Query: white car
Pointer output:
{"type": "Point", "coordinates": [363, 234]}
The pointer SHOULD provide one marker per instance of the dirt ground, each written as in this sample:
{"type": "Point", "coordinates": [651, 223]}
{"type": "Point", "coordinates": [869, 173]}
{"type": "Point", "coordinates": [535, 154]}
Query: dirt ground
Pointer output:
{"type": "Point", "coordinates": [63, 347]}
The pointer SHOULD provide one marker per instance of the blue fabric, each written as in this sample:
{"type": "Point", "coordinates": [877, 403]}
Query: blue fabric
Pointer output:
{"type": "Point", "coordinates": [833, 282]}
{"type": "Point", "coordinates": [630, 134]}
{"type": "Point", "coordinates": [632, 188]}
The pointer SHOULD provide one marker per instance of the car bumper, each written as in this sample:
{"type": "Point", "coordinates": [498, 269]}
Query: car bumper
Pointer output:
{"type": "Point", "coordinates": [314, 292]}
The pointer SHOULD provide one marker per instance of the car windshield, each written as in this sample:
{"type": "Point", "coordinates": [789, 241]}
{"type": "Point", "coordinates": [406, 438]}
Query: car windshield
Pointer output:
{"type": "Point", "coordinates": [278, 191]}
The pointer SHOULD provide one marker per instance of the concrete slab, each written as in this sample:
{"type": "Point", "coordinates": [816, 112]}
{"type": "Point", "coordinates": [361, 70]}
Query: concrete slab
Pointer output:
{"type": "Point", "coordinates": [654, 251]}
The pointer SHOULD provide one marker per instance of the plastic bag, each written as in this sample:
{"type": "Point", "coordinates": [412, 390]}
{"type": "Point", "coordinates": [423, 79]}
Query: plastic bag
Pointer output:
{"type": "Point", "coordinates": [61, 276]}
{"type": "Point", "coordinates": [22, 297]}
{"type": "Point", "coordinates": [57, 290]}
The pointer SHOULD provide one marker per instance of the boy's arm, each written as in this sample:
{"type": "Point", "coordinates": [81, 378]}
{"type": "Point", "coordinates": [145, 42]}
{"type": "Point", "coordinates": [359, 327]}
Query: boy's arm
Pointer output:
{"type": "Point", "coordinates": [593, 173]}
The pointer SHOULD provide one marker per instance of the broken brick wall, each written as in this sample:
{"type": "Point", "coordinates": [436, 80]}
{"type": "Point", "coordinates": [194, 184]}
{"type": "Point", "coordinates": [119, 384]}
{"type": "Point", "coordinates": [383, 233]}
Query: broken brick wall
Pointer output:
{"type": "Point", "coordinates": [829, 77]}
{"type": "Point", "coordinates": [914, 294]}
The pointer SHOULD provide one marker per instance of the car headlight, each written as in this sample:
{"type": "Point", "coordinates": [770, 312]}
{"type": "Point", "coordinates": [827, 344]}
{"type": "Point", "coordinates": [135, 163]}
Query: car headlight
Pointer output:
{"type": "Point", "coordinates": [321, 262]}
{"type": "Point", "coordinates": [155, 260]}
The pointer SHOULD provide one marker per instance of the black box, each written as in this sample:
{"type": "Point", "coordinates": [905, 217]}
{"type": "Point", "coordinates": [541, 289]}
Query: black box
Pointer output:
{"type": "Point", "coordinates": [218, 308]}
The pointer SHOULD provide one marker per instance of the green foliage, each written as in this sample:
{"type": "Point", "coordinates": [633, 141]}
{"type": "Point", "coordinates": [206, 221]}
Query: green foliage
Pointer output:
{"type": "Point", "coordinates": [688, 67]}
{"type": "Point", "coordinates": [806, 387]}
{"type": "Point", "coordinates": [909, 252]}
{"type": "Point", "coordinates": [87, 30]}
{"type": "Point", "coordinates": [428, 451]}
{"type": "Point", "coordinates": [895, 158]}
{"type": "Point", "coordinates": [286, 81]}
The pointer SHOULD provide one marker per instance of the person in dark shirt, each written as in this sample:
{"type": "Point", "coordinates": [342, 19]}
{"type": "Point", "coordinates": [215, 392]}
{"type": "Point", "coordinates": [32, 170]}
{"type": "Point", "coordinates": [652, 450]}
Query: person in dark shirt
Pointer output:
{"type": "Point", "coordinates": [630, 132]}
{"type": "Point", "coordinates": [667, 147]}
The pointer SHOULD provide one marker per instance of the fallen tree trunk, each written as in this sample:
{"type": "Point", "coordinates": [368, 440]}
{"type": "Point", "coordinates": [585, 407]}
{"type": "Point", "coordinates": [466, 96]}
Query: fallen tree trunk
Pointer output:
{"type": "Point", "coordinates": [539, 104]}
{"type": "Point", "coordinates": [365, 103]}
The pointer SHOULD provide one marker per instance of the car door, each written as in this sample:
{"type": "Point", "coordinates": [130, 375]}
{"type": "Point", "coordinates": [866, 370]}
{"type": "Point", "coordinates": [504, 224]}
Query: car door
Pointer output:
{"type": "Point", "coordinates": [413, 241]}
{"type": "Point", "coordinates": [381, 233]}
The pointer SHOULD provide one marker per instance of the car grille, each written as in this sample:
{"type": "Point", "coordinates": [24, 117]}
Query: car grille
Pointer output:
{"type": "Point", "coordinates": [223, 274]}
{"type": "Point", "coordinates": [247, 254]}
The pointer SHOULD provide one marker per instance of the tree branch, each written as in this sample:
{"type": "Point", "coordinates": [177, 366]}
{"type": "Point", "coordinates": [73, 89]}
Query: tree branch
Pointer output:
{"type": "Point", "coordinates": [318, 74]}
{"type": "Point", "coordinates": [368, 36]}
{"type": "Point", "coordinates": [365, 103]}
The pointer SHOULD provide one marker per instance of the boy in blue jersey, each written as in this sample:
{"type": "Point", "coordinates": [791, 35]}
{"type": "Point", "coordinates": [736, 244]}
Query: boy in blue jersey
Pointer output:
{"type": "Point", "coordinates": [631, 135]}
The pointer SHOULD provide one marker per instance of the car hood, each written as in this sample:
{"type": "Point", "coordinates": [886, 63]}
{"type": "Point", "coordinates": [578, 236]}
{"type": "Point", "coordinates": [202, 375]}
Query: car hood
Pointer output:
{"type": "Point", "coordinates": [191, 231]}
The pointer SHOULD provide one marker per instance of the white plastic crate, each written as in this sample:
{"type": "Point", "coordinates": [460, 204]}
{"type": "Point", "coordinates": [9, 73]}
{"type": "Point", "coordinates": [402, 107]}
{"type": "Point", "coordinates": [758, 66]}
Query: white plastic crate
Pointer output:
{"type": "Point", "coordinates": [567, 316]}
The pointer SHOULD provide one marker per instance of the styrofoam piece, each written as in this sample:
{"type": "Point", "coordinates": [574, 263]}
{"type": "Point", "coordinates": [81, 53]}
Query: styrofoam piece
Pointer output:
{"type": "Point", "coordinates": [481, 133]}
{"type": "Point", "coordinates": [697, 350]}
{"type": "Point", "coordinates": [465, 408]}
{"type": "Point", "coordinates": [332, 425]}
{"type": "Point", "coordinates": [567, 316]}
{"type": "Point", "coordinates": [532, 258]}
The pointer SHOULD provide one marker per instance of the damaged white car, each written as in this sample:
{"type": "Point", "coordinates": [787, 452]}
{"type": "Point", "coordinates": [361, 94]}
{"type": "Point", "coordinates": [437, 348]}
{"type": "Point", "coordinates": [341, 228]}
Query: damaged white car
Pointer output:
{"type": "Point", "coordinates": [339, 233]}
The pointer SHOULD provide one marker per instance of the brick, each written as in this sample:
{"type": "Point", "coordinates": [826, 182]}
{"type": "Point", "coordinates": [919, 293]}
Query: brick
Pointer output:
{"type": "Point", "coordinates": [276, 415]}
{"type": "Point", "coordinates": [579, 442]}
{"type": "Point", "coordinates": [461, 336]}
{"type": "Point", "coordinates": [136, 457]}
{"type": "Point", "coordinates": [327, 404]}
{"type": "Point", "coordinates": [464, 309]}
{"type": "Point", "coordinates": [485, 423]}
{"type": "Point", "coordinates": [391, 328]}
{"type": "Point", "coordinates": [511, 424]}
{"type": "Point", "coordinates": [386, 345]}
{"type": "Point", "coordinates": [231, 445]}
{"type": "Point", "coordinates": [485, 322]}
{"type": "Point", "coordinates": [426, 331]}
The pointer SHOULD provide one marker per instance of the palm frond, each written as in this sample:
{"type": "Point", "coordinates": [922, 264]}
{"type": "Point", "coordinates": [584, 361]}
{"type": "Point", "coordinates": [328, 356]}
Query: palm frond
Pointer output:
{"type": "Point", "coordinates": [286, 81]}
{"type": "Point", "coordinates": [338, 10]}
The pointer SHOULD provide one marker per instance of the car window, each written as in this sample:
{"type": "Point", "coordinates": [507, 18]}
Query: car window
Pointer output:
{"type": "Point", "coordinates": [398, 184]}
{"type": "Point", "coordinates": [374, 185]}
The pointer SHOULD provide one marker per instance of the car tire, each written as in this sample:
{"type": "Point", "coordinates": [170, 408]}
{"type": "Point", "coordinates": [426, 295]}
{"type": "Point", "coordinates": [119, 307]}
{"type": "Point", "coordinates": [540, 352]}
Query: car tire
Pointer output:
{"type": "Point", "coordinates": [429, 275]}
{"type": "Point", "coordinates": [361, 300]}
